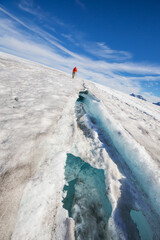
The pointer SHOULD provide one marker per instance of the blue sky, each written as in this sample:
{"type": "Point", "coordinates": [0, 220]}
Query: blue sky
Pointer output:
{"type": "Point", "coordinates": [114, 43]}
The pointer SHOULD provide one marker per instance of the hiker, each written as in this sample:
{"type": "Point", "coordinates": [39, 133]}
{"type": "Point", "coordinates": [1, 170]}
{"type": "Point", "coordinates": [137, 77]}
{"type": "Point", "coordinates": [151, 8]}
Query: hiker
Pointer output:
{"type": "Point", "coordinates": [74, 72]}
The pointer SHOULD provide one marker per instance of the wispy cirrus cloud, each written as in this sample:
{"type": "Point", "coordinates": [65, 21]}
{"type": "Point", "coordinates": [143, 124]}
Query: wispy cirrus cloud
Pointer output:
{"type": "Point", "coordinates": [14, 18]}
{"type": "Point", "coordinates": [28, 6]}
{"type": "Point", "coordinates": [101, 50]}
{"type": "Point", "coordinates": [81, 4]}
{"type": "Point", "coordinates": [47, 49]}
{"type": "Point", "coordinates": [35, 10]}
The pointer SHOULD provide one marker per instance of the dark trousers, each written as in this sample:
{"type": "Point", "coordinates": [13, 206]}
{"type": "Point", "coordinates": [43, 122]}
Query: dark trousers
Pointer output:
{"type": "Point", "coordinates": [73, 74]}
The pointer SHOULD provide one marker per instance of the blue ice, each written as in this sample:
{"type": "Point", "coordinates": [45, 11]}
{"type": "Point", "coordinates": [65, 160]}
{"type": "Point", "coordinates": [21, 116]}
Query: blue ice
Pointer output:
{"type": "Point", "coordinates": [139, 189]}
{"type": "Point", "coordinates": [144, 229]}
{"type": "Point", "coordinates": [86, 200]}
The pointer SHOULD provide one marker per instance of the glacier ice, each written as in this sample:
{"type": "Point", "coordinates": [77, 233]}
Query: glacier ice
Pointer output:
{"type": "Point", "coordinates": [109, 130]}
{"type": "Point", "coordinates": [86, 200]}
{"type": "Point", "coordinates": [138, 189]}
{"type": "Point", "coordinates": [142, 225]}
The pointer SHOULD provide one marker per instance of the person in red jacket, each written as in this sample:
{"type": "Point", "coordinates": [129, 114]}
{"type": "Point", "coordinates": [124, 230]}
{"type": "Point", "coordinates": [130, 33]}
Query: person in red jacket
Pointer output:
{"type": "Point", "coordinates": [74, 72]}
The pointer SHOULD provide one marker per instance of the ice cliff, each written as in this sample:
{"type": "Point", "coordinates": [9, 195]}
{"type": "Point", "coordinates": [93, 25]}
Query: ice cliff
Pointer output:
{"type": "Point", "coordinates": [77, 160]}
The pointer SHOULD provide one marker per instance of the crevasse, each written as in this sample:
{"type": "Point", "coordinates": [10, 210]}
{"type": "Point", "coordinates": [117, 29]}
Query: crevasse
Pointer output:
{"type": "Point", "coordinates": [135, 156]}
{"type": "Point", "coordinates": [139, 187]}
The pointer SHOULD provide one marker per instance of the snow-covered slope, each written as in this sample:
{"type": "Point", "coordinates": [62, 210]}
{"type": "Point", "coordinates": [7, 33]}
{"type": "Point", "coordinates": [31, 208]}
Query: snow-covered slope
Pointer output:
{"type": "Point", "coordinates": [46, 118]}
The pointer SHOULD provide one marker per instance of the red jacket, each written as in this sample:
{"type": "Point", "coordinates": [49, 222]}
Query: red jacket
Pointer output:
{"type": "Point", "coordinates": [75, 69]}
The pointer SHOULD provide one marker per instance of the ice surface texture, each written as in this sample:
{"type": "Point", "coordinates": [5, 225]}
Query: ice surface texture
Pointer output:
{"type": "Point", "coordinates": [141, 174]}
{"type": "Point", "coordinates": [39, 127]}
{"type": "Point", "coordinates": [86, 200]}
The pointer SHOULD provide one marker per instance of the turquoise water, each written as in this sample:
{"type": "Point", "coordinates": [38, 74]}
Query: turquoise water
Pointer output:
{"type": "Point", "coordinates": [143, 227]}
{"type": "Point", "coordinates": [86, 200]}
{"type": "Point", "coordinates": [68, 200]}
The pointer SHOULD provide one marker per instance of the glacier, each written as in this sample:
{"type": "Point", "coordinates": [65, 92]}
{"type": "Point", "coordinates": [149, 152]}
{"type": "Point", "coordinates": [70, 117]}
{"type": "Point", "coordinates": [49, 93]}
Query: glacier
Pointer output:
{"type": "Point", "coordinates": [78, 160]}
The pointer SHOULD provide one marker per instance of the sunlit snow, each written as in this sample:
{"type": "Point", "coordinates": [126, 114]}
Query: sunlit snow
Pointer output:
{"type": "Point", "coordinates": [77, 160]}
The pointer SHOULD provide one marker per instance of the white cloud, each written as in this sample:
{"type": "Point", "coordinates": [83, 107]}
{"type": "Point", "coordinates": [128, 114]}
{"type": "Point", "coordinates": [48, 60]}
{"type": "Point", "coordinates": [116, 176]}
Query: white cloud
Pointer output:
{"type": "Point", "coordinates": [28, 6]}
{"type": "Point", "coordinates": [101, 50]}
{"type": "Point", "coordinates": [15, 18]}
{"type": "Point", "coordinates": [47, 49]}
{"type": "Point", "coordinates": [33, 9]}
{"type": "Point", "coordinates": [151, 97]}
{"type": "Point", "coordinates": [147, 78]}
{"type": "Point", "coordinates": [69, 37]}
